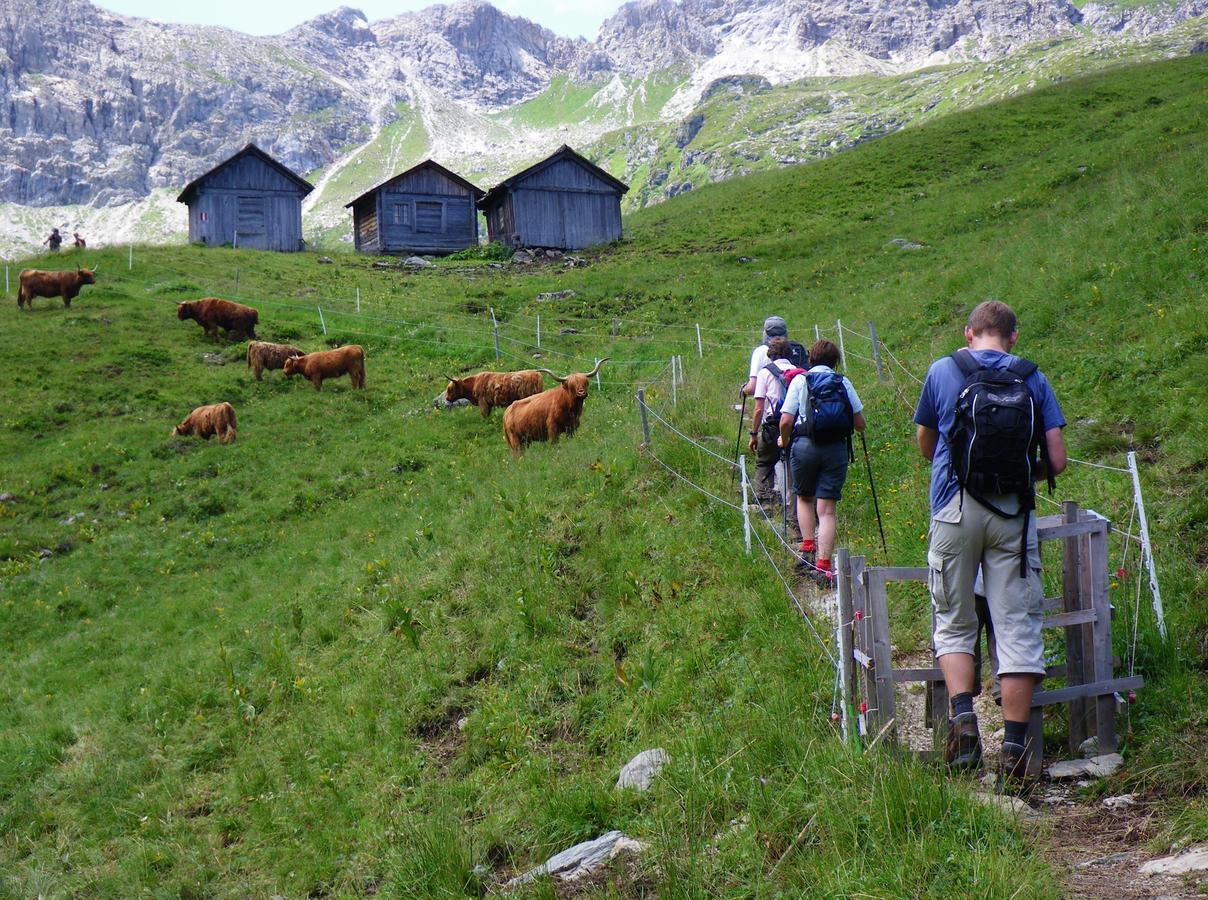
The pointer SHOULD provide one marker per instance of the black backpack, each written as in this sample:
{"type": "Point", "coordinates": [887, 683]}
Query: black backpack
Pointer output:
{"type": "Point", "coordinates": [798, 355]}
{"type": "Point", "coordinates": [997, 435]}
{"type": "Point", "coordinates": [829, 417]}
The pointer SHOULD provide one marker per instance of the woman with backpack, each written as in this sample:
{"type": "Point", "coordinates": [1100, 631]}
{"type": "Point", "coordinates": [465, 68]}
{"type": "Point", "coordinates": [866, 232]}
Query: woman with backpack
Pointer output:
{"type": "Point", "coordinates": [820, 412]}
{"type": "Point", "coordinates": [771, 384]}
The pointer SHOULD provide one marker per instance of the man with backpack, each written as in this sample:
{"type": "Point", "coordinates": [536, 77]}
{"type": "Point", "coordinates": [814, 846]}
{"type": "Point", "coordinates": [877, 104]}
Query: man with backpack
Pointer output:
{"type": "Point", "coordinates": [820, 412]}
{"type": "Point", "coordinates": [990, 424]}
{"type": "Point", "coordinates": [53, 240]}
{"type": "Point", "coordinates": [771, 385]}
{"type": "Point", "coordinates": [773, 327]}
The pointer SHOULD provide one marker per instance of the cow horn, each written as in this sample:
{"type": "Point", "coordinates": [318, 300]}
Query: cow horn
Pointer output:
{"type": "Point", "coordinates": [592, 373]}
{"type": "Point", "coordinates": [556, 377]}
{"type": "Point", "coordinates": [450, 378]}
{"type": "Point", "coordinates": [95, 269]}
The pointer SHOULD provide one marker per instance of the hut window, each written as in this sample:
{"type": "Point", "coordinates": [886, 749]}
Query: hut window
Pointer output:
{"type": "Point", "coordinates": [402, 214]}
{"type": "Point", "coordinates": [429, 216]}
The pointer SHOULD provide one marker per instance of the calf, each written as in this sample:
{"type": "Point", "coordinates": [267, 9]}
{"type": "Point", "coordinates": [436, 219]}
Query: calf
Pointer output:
{"type": "Point", "coordinates": [348, 360]}
{"type": "Point", "coordinates": [490, 389]}
{"type": "Point", "coordinates": [262, 355]}
{"type": "Point", "coordinates": [208, 421]}
{"type": "Point", "coordinates": [36, 283]}
{"type": "Point", "coordinates": [211, 313]}
{"type": "Point", "coordinates": [545, 416]}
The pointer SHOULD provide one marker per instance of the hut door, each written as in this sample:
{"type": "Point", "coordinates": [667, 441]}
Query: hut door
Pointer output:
{"type": "Point", "coordinates": [249, 221]}
{"type": "Point", "coordinates": [429, 217]}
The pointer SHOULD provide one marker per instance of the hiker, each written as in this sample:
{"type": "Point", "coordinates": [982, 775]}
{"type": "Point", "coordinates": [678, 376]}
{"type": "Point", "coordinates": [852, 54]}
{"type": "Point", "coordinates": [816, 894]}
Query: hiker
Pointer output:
{"type": "Point", "coordinates": [79, 242]}
{"type": "Point", "coordinates": [771, 384]}
{"type": "Point", "coordinates": [982, 504]}
{"type": "Point", "coordinates": [816, 422]}
{"type": "Point", "coordinates": [773, 327]}
{"type": "Point", "coordinates": [53, 240]}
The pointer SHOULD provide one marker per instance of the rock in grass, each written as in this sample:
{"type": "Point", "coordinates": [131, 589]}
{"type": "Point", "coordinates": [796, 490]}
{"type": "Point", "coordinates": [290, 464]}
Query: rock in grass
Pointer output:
{"type": "Point", "coordinates": [581, 859]}
{"type": "Point", "coordinates": [1096, 767]}
{"type": "Point", "coordinates": [6, 497]}
{"type": "Point", "coordinates": [639, 772]}
{"type": "Point", "coordinates": [1013, 805]}
{"type": "Point", "coordinates": [554, 295]}
{"type": "Point", "coordinates": [1090, 747]}
{"type": "Point", "coordinates": [325, 261]}
{"type": "Point", "coordinates": [1192, 860]}
{"type": "Point", "coordinates": [439, 402]}
{"type": "Point", "coordinates": [904, 244]}
{"type": "Point", "coordinates": [416, 262]}
{"type": "Point", "coordinates": [1124, 800]}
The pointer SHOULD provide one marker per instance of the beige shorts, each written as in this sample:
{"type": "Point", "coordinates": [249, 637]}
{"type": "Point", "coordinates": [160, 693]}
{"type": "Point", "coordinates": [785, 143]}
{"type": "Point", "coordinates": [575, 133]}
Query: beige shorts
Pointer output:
{"type": "Point", "coordinates": [964, 538]}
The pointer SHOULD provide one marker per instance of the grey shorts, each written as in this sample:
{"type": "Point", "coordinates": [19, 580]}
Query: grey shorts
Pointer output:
{"type": "Point", "coordinates": [964, 538]}
{"type": "Point", "coordinates": [819, 470]}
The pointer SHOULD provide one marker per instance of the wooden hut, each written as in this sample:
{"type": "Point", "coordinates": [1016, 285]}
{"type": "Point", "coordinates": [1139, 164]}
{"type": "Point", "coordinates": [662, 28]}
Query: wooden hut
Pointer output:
{"type": "Point", "coordinates": [250, 200]}
{"type": "Point", "coordinates": [426, 209]}
{"type": "Point", "coordinates": [562, 202]}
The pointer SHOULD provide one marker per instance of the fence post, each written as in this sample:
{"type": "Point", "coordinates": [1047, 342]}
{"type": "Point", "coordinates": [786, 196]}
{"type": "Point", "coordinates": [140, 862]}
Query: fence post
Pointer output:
{"type": "Point", "coordinates": [1146, 547]}
{"type": "Point", "coordinates": [130, 259]}
{"type": "Point", "coordinates": [876, 352]}
{"type": "Point", "coordinates": [679, 365]}
{"type": "Point", "coordinates": [322, 322]}
{"type": "Point", "coordinates": [358, 301]}
{"type": "Point", "coordinates": [235, 240]}
{"type": "Point", "coordinates": [839, 332]}
{"type": "Point", "coordinates": [847, 669]}
{"type": "Point", "coordinates": [645, 424]}
{"type": "Point", "coordinates": [1074, 599]}
{"type": "Point", "coordinates": [700, 349]}
{"type": "Point", "coordinates": [495, 331]}
{"type": "Point", "coordinates": [674, 399]}
{"type": "Point", "coordinates": [596, 362]}
{"type": "Point", "coordinates": [817, 333]}
{"type": "Point", "coordinates": [746, 512]}
{"type": "Point", "coordinates": [538, 332]}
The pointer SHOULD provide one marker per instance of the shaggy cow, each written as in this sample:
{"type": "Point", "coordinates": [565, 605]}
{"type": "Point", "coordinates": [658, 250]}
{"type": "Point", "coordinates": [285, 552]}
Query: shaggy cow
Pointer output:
{"type": "Point", "coordinates": [262, 355]}
{"type": "Point", "coordinates": [544, 416]}
{"type": "Point", "coordinates": [212, 313]}
{"type": "Point", "coordinates": [36, 283]}
{"type": "Point", "coordinates": [349, 360]}
{"type": "Point", "coordinates": [207, 421]}
{"type": "Point", "coordinates": [490, 389]}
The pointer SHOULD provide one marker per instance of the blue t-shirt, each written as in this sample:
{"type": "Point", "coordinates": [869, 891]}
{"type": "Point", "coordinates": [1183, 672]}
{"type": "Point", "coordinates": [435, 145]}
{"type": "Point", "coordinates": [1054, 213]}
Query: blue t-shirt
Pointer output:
{"type": "Point", "coordinates": [936, 409]}
{"type": "Point", "coordinates": [796, 395]}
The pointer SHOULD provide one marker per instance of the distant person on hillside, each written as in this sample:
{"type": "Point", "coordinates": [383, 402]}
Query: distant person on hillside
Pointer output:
{"type": "Point", "coordinates": [816, 422]}
{"type": "Point", "coordinates": [983, 517]}
{"type": "Point", "coordinates": [79, 242]}
{"type": "Point", "coordinates": [54, 240]}
{"type": "Point", "coordinates": [770, 390]}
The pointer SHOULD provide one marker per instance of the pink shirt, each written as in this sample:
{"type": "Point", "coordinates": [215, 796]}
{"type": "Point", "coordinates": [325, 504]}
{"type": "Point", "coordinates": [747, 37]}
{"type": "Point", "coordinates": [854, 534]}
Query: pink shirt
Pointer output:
{"type": "Point", "coordinates": [768, 388]}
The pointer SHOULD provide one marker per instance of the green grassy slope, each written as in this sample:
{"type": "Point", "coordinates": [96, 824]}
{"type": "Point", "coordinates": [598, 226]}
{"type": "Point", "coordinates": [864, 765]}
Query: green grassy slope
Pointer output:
{"type": "Point", "coordinates": [243, 670]}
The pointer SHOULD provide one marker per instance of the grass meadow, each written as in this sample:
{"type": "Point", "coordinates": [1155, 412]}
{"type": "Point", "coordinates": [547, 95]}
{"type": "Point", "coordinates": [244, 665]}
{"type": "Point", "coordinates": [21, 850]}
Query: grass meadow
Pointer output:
{"type": "Point", "coordinates": [361, 651]}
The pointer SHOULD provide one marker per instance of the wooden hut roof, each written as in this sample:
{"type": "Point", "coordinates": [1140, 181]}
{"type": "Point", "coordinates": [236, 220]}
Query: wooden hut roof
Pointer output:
{"type": "Point", "coordinates": [475, 191]}
{"type": "Point", "coordinates": [251, 149]}
{"type": "Point", "coordinates": [563, 152]}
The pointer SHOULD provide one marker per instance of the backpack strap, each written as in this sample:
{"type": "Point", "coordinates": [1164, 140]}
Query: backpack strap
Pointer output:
{"type": "Point", "coordinates": [965, 361]}
{"type": "Point", "coordinates": [1022, 367]}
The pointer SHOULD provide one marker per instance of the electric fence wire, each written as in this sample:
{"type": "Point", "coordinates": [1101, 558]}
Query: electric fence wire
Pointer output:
{"type": "Point", "coordinates": [698, 446]}
{"type": "Point", "coordinates": [688, 481]}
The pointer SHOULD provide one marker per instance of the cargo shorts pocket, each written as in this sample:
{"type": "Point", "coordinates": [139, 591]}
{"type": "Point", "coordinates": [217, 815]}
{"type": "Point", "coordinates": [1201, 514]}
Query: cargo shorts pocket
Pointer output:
{"type": "Point", "coordinates": [939, 581]}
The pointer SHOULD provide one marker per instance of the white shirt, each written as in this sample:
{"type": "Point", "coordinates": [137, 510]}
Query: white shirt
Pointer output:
{"type": "Point", "coordinates": [759, 359]}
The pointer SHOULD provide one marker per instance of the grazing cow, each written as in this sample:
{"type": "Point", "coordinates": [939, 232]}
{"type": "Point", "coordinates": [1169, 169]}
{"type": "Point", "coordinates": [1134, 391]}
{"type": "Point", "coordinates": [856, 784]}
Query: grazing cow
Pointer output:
{"type": "Point", "coordinates": [212, 313]}
{"type": "Point", "coordinates": [36, 283]}
{"type": "Point", "coordinates": [490, 389]}
{"type": "Point", "coordinates": [544, 416]}
{"type": "Point", "coordinates": [262, 355]}
{"type": "Point", "coordinates": [208, 421]}
{"type": "Point", "coordinates": [348, 360]}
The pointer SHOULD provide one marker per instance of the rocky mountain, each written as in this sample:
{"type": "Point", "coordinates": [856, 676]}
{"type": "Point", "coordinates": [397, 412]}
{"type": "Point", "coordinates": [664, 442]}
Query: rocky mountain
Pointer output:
{"type": "Point", "coordinates": [100, 110]}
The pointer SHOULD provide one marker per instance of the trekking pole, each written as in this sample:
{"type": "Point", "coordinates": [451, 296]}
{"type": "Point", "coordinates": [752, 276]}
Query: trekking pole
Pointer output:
{"type": "Point", "coordinates": [738, 441]}
{"type": "Point", "coordinates": [784, 496]}
{"type": "Point", "coordinates": [872, 484]}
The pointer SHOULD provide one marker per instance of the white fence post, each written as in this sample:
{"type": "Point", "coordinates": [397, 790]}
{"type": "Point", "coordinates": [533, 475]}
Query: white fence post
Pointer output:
{"type": "Point", "coordinates": [1146, 547]}
{"type": "Point", "coordinates": [839, 332]}
{"type": "Point", "coordinates": [538, 332]}
{"type": "Point", "coordinates": [700, 349]}
{"type": "Point", "coordinates": [597, 364]}
{"type": "Point", "coordinates": [322, 321]}
{"type": "Point", "coordinates": [358, 301]}
{"type": "Point", "coordinates": [674, 399]}
{"type": "Point", "coordinates": [130, 259]}
{"type": "Point", "coordinates": [746, 512]}
{"type": "Point", "coordinates": [876, 352]}
{"type": "Point", "coordinates": [495, 330]}
{"type": "Point", "coordinates": [645, 424]}
{"type": "Point", "coordinates": [817, 334]}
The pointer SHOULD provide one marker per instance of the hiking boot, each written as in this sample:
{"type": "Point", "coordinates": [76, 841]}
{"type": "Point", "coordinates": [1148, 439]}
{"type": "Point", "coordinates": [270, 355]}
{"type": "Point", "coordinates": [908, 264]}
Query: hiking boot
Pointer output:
{"type": "Point", "coordinates": [1013, 775]}
{"type": "Point", "coordinates": [823, 578]}
{"type": "Point", "coordinates": [963, 751]}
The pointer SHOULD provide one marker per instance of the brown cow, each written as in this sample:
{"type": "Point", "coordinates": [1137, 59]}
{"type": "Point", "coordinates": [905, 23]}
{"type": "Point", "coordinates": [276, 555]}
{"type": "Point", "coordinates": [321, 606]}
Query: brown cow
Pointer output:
{"type": "Point", "coordinates": [262, 355]}
{"type": "Point", "coordinates": [544, 416]}
{"type": "Point", "coordinates": [207, 421]}
{"type": "Point", "coordinates": [348, 360]}
{"type": "Point", "coordinates": [36, 283]}
{"type": "Point", "coordinates": [491, 389]}
{"type": "Point", "coordinates": [212, 313]}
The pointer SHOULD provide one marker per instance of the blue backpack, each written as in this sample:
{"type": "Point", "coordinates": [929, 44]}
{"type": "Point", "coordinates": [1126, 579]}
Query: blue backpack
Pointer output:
{"type": "Point", "coordinates": [829, 417]}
